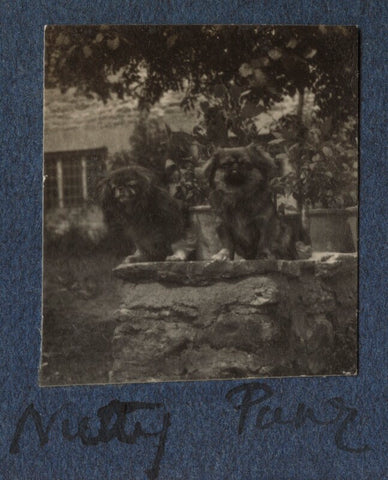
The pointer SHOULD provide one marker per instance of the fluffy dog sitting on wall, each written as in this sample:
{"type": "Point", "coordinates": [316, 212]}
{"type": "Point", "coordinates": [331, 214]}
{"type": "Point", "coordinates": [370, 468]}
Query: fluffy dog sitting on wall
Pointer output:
{"type": "Point", "coordinates": [132, 197]}
{"type": "Point", "coordinates": [240, 195]}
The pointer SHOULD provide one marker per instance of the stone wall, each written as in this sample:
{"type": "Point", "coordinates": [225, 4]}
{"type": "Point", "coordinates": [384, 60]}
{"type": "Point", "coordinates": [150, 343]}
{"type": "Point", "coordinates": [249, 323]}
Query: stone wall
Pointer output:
{"type": "Point", "coordinates": [212, 320]}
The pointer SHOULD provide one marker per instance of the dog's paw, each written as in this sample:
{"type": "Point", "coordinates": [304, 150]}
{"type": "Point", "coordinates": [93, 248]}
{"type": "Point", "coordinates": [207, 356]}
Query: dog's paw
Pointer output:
{"type": "Point", "coordinates": [178, 256]}
{"type": "Point", "coordinates": [265, 255]}
{"type": "Point", "coordinates": [303, 251]}
{"type": "Point", "coordinates": [221, 256]}
{"type": "Point", "coordinates": [135, 258]}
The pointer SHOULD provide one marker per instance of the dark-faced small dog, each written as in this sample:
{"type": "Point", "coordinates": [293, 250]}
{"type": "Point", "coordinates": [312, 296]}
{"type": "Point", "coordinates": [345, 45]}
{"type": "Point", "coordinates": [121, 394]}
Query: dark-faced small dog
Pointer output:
{"type": "Point", "coordinates": [243, 202]}
{"type": "Point", "coordinates": [153, 220]}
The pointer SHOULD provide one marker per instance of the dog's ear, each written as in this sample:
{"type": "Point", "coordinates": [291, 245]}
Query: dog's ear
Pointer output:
{"type": "Point", "coordinates": [208, 170]}
{"type": "Point", "coordinates": [263, 160]}
{"type": "Point", "coordinates": [103, 192]}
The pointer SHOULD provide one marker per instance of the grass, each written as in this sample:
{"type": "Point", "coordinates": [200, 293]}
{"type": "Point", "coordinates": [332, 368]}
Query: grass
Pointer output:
{"type": "Point", "coordinates": [79, 297]}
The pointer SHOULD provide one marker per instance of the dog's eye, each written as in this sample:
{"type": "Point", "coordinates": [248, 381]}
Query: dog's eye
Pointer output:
{"type": "Point", "coordinates": [245, 162]}
{"type": "Point", "coordinates": [129, 185]}
{"type": "Point", "coordinates": [226, 164]}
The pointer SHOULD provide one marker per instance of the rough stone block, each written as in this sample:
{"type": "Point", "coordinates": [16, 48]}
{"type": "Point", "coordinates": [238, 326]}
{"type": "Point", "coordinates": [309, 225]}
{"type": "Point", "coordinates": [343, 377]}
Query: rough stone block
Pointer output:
{"type": "Point", "coordinates": [203, 320]}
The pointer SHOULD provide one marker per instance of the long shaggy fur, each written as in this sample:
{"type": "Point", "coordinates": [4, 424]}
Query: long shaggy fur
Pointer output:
{"type": "Point", "coordinates": [132, 197]}
{"type": "Point", "coordinates": [240, 195]}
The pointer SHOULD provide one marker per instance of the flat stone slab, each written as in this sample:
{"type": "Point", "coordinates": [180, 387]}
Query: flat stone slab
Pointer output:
{"type": "Point", "coordinates": [208, 272]}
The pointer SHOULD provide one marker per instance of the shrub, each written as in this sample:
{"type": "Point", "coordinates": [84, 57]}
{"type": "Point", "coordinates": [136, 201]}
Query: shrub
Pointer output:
{"type": "Point", "coordinates": [324, 162]}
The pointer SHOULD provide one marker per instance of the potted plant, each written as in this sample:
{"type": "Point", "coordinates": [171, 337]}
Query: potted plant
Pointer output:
{"type": "Point", "coordinates": [321, 175]}
{"type": "Point", "coordinates": [189, 188]}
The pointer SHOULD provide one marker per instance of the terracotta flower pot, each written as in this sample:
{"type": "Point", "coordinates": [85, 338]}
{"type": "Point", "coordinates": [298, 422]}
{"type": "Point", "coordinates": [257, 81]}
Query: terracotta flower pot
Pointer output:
{"type": "Point", "coordinates": [202, 220]}
{"type": "Point", "coordinates": [330, 230]}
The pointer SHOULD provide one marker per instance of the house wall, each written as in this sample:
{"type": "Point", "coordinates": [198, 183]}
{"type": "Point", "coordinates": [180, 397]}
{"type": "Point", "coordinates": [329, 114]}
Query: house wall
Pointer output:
{"type": "Point", "coordinates": [76, 122]}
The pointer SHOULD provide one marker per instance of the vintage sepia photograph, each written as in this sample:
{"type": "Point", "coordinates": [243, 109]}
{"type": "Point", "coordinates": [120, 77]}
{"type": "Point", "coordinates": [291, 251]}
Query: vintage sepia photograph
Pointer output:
{"type": "Point", "coordinates": [200, 196]}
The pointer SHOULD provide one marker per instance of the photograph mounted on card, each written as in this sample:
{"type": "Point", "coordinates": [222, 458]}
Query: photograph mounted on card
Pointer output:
{"type": "Point", "coordinates": [200, 203]}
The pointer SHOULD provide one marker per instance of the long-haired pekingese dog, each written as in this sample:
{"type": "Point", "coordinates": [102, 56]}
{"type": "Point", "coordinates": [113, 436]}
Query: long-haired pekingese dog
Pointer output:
{"type": "Point", "coordinates": [243, 202]}
{"type": "Point", "coordinates": [153, 220]}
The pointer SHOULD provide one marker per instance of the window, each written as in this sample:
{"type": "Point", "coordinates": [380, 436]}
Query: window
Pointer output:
{"type": "Point", "coordinates": [72, 182]}
{"type": "Point", "coordinates": [70, 176]}
{"type": "Point", "coordinates": [50, 185]}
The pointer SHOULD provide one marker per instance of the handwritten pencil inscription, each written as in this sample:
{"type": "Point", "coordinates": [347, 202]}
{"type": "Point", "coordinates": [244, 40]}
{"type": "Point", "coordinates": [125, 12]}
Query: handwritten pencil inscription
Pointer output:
{"type": "Point", "coordinates": [250, 400]}
{"type": "Point", "coordinates": [112, 424]}
{"type": "Point", "coordinates": [250, 395]}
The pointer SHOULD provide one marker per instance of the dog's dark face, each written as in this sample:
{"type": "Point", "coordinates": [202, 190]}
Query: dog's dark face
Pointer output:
{"type": "Point", "coordinates": [238, 169]}
{"type": "Point", "coordinates": [235, 169]}
{"type": "Point", "coordinates": [126, 187]}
